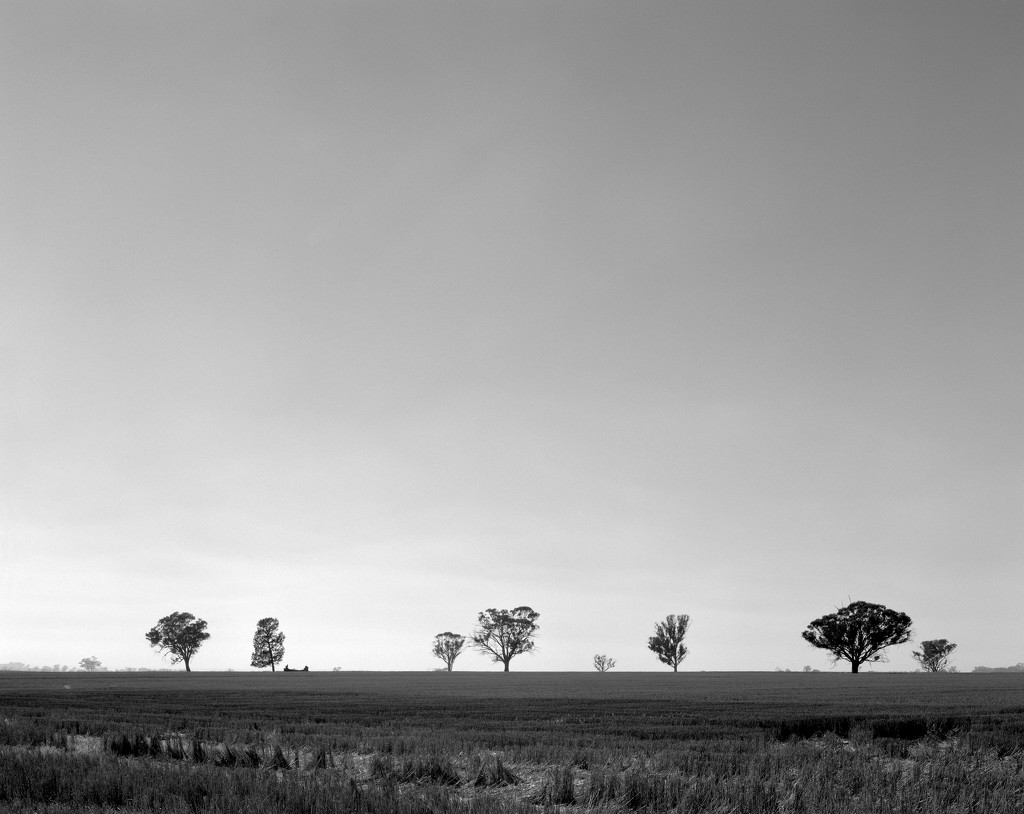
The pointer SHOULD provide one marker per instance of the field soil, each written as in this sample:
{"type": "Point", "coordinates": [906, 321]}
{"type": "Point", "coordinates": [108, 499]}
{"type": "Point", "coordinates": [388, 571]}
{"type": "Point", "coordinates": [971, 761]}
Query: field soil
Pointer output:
{"type": "Point", "coordinates": [473, 741]}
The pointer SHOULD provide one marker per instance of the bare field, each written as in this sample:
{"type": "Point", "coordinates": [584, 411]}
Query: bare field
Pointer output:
{"type": "Point", "coordinates": [470, 741]}
{"type": "Point", "coordinates": [865, 690]}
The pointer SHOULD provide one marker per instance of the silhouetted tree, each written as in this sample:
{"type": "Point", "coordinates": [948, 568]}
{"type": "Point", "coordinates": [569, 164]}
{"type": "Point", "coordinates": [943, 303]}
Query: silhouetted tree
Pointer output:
{"type": "Point", "coordinates": [267, 644]}
{"type": "Point", "coordinates": [934, 655]}
{"type": "Point", "coordinates": [447, 647]}
{"type": "Point", "coordinates": [90, 664]}
{"type": "Point", "coordinates": [179, 635]}
{"type": "Point", "coordinates": [667, 641]}
{"type": "Point", "coordinates": [603, 663]}
{"type": "Point", "coordinates": [504, 634]}
{"type": "Point", "coordinates": [859, 632]}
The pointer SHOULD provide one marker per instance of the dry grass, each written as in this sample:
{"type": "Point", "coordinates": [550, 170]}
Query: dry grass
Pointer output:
{"type": "Point", "coordinates": [492, 742]}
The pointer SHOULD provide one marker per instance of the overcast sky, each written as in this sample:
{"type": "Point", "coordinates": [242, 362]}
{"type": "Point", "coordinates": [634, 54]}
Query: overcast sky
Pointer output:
{"type": "Point", "coordinates": [371, 315]}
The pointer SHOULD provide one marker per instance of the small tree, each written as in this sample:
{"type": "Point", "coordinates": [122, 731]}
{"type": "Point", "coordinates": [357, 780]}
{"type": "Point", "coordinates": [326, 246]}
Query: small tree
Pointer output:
{"type": "Point", "coordinates": [859, 632]}
{"type": "Point", "coordinates": [179, 635]}
{"type": "Point", "coordinates": [447, 647]}
{"type": "Point", "coordinates": [603, 663]}
{"type": "Point", "coordinates": [667, 641]}
{"type": "Point", "coordinates": [90, 664]}
{"type": "Point", "coordinates": [267, 644]}
{"type": "Point", "coordinates": [504, 634]}
{"type": "Point", "coordinates": [934, 656]}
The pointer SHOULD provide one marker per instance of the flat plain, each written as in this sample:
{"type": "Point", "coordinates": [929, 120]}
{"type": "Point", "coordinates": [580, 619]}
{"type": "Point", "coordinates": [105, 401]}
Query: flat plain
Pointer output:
{"type": "Point", "coordinates": [474, 741]}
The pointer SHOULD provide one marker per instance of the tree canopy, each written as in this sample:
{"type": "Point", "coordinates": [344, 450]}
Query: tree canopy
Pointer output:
{"type": "Point", "coordinates": [267, 643]}
{"type": "Point", "coordinates": [934, 655]}
{"type": "Point", "coordinates": [859, 632]}
{"type": "Point", "coordinates": [603, 663]}
{"type": "Point", "coordinates": [179, 635]}
{"type": "Point", "coordinates": [504, 634]}
{"type": "Point", "coordinates": [447, 647]}
{"type": "Point", "coordinates": [667, 641]}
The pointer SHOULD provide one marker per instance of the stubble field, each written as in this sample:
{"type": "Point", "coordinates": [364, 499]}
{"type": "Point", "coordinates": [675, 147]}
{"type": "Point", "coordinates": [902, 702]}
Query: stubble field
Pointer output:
{"type": "Point", "coordinates": [494, 742]}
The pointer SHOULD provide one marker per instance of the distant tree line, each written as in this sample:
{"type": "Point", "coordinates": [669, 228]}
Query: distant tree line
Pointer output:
{"type": "Point", "coordinates": [1016, 668]}
{"type": "Point", "coordinates": [21, 667]}
{"type": "Point", "coordinates": [858, 633]}
{"type": "Point", "coordinates": [503, 634]}
{"type": "Point", "coordinates": [500, 635]}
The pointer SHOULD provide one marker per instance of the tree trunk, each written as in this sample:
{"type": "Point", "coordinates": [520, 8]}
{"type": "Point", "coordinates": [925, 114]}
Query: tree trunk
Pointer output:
{"type": "Point", "coordinates": [506, 664]}
{"type": "Point", "coordinates": [272, 667]}
{"type": "Point", "coordinates": [187, 668]}
{"type": "Point", "coordinates": [855, 666]}
{"type": "Point", "coordinates": [675, 668]}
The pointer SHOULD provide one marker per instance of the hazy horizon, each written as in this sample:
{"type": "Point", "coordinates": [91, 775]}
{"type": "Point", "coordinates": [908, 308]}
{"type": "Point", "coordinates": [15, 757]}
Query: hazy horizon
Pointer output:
{"type": "Point", "coordinates": [843, 668]}
{"type": "Point", "coordinates": [371, 316]}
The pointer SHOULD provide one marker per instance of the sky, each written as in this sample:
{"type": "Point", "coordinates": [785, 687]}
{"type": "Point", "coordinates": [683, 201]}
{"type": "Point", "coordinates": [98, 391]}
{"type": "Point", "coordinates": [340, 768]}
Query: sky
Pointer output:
{"type": "Point", "coordinates": [369, 316]}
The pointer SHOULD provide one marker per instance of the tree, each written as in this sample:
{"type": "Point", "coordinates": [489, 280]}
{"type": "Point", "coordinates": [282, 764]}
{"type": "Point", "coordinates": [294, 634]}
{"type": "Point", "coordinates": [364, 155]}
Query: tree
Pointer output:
{"type": "Point", "coordinates": [90, 664]}
{"type": "Point", "coordinates": [667, 641]}
{"type": "Point", "coordinates": [267, 644]}
{"type": "Point", "coordinates": [934, 656]}
{"type": "Point", "coordinates": [447, 647]}
{"type": "Point", "coordinates": [603, 663]}
{"type": "Point", "coordinates": [504, 634]}
{"type": "Point", "coordinates": [859, 632]}
{"type": "Point", "coordinates": [179, 635]}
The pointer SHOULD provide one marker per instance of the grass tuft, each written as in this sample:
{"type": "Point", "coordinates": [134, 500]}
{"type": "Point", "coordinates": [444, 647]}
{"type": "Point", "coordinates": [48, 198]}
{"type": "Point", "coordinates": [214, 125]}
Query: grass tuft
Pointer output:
{"type": "Point", "coordinates": [224, 755]}
{"type": "Point", "coordinates": [277, 760]}
{"type": "Point", "coordinates": [198, 752]}
{"type": "Point", "coordinates": [489, 771]}
{"type": "Point", "coordinates": [737, 743]}
{"type": "Point", "coordinates": [429, 769]}
{"type": "Point", "coordinates": [558, 788]}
